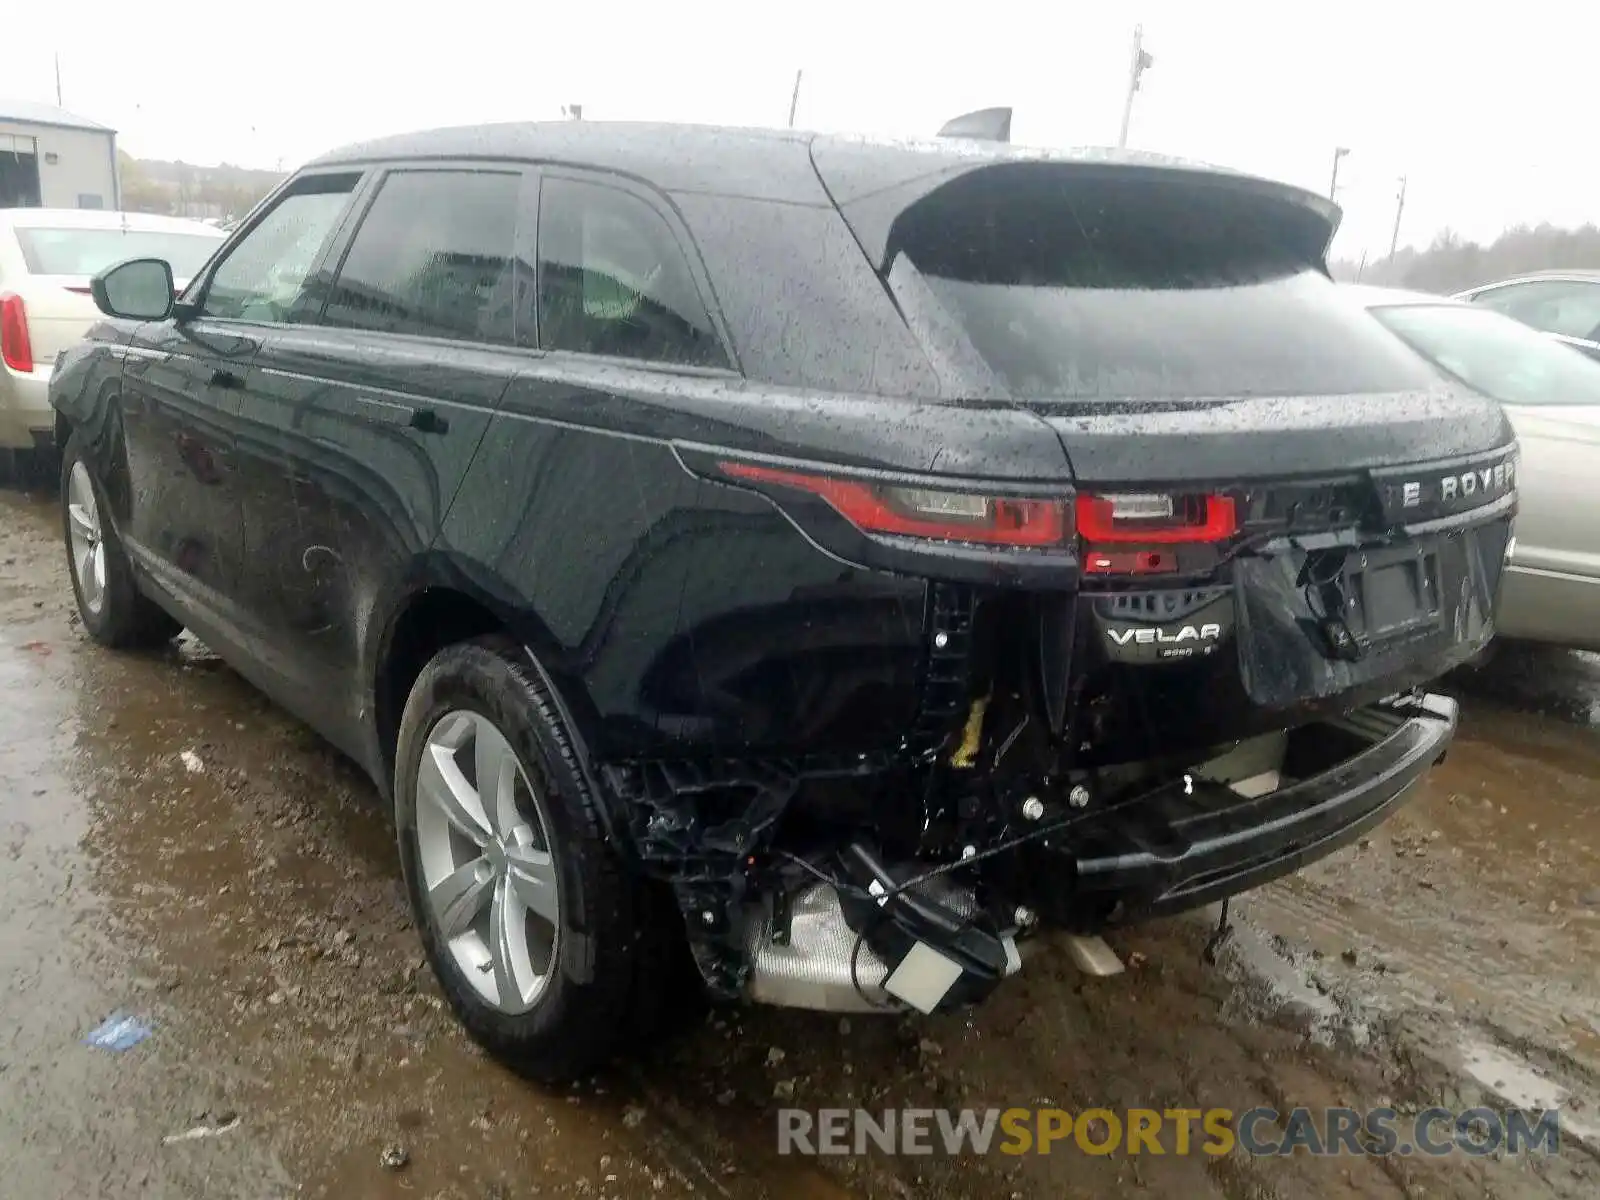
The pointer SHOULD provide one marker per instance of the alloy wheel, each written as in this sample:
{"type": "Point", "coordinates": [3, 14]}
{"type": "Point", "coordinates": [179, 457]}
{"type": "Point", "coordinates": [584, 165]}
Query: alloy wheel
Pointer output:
{"type": "Point", "coordinates": [484, 850]}
{"type": "Point", "coordinates": [88, 547]}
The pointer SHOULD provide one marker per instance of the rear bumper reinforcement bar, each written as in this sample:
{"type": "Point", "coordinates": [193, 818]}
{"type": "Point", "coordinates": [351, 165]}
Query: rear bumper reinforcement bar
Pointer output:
{"type": "Point", "coordinates": [1185, 847]}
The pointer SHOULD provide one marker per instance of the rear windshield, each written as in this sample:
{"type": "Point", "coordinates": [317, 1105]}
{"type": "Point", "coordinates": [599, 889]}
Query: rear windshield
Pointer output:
{"type": "Point", "coordinates": [1119, 289]}
{"type": "Point", "coordinates": [90, 251]}
{"type": "Point", "coordinates": [1500, 357]}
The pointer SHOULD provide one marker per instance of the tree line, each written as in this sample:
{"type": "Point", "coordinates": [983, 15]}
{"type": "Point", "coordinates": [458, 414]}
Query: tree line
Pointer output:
{"type": "Point", "coordinates": [1453, 264]}
{"type": "Point", "coordinates": [179, 189]}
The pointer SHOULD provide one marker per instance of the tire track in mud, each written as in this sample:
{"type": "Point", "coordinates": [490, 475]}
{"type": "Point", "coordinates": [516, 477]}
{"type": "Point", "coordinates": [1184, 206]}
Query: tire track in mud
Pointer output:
{"type": "Point", "coordinates": [1497, 979]}
{"type": "Point", "coordinates": [1486, 1025]}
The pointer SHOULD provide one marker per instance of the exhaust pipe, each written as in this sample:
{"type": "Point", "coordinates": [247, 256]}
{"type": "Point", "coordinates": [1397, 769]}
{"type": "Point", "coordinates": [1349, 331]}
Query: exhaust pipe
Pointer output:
{"type": "Point", "coordinates": [823, 963]}
{"type": "Point", "coordinates": [1093, 956]}
{"type": "Point", "coordinates": [812, 967]}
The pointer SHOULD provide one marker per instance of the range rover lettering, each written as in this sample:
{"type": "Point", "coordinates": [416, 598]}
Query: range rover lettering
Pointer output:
{"type": "Point", "coordinates": [800, 567]}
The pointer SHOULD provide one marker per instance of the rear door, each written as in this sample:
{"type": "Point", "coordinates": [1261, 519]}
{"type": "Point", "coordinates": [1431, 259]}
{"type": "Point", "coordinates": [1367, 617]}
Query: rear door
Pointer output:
{"type": "Point", "coordinates": [370, 411]}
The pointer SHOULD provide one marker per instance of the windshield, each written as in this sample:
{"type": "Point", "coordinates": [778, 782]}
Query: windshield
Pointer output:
{"type": "Point", "coordinates": [90, 251]}
{"type": "Point", "coordinates": [1111, 289]}
{"type": "Point", "coordinates": [1502, 358]}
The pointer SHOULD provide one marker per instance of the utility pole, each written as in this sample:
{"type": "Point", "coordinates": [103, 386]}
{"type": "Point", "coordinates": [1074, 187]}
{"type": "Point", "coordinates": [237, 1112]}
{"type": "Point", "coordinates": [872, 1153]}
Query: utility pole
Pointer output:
{"type": "Point", "coordinates": [1399, 207]}
{"type": "Point", "coordinates": [1136, 68]}
{"type": "Point", "coordinates": [58, 79]}
{"type": "Point", "coordinates": [1333, 182]}
{"type": "Point", "coordinates": [794, 97]}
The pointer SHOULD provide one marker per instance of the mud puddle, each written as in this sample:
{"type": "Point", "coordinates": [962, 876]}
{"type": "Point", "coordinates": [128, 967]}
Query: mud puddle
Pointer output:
{"type": "Point", "coordinates": [178, 849]}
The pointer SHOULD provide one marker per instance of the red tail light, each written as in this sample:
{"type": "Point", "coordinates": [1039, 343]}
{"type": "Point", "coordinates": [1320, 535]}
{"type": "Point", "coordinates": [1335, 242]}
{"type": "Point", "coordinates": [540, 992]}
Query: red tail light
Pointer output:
{"type": "Point", "coordinates": [1155, 519]}
{"type": "Point", "coordinates": [15, 346]}
{"type": "Point", "coordinates": [1132, 533]}
{"type": "Point", "coordinates": [926, 512]}
{"type": "Point", "coordinates": [1129, 562]}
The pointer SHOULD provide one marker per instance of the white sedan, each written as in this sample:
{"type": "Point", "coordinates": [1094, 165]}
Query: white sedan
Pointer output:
{"type": "Point", "coordinates": [1551, 393]}
{"type": "Point", "coordinates": [47, 257]}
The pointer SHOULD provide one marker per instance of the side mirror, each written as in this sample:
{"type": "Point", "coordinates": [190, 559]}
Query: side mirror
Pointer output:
{"type": "Point", "coordinates": [139, 289]}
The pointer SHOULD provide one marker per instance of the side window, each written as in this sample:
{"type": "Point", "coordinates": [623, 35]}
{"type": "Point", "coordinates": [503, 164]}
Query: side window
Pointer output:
{"type": "Point", "coordinates": [1554, 305]}
{"type": "Point", "coordinates": [613, 280]}
{"type": "Point", "coordinates": [1578, 312]}
{"type": "Point", "coordinates": [435, 256]}
{"type": "Point", "coordinates": [264, 276]}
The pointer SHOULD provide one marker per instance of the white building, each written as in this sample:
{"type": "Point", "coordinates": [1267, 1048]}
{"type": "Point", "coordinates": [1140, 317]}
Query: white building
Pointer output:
{"type": "Point", "coordinates": [50, 158]}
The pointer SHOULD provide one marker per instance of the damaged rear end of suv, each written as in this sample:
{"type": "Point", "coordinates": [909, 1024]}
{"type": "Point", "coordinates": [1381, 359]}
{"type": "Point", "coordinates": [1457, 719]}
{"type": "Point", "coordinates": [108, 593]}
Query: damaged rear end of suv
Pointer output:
{"type": "Point", "coordinates": [815, 565]}
{"type": "Point", "coordinates": [1131, 611]}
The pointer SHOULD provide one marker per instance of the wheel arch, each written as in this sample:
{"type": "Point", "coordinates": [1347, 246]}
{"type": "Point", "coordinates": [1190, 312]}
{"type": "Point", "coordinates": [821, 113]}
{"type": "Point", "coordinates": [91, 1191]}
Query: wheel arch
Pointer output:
{"type": "Point", "coordinates": [436, 612]}
{"type": "Point", "coordinates": [95, 415]}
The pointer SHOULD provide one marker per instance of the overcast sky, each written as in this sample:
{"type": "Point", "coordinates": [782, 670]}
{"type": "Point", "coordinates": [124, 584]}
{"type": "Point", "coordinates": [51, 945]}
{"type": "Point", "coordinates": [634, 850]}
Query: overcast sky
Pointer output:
{"type": "Point", "coordinates": [1486, 109]}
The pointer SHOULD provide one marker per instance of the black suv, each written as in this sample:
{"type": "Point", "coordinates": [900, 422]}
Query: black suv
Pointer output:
{"type": "Point", "coordinates": [835, 559]}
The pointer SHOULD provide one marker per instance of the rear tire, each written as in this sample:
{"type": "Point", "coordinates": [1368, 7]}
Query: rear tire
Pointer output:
{"type": "Point", "coordinates": [113, 609]}
{"type": "Point", "coordinates": [544, 944]}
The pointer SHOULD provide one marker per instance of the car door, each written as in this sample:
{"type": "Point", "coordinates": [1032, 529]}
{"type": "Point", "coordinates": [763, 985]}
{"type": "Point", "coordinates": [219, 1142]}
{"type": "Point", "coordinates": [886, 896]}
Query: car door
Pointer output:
{"type": "Point", "coordinates": [178, 413]}
{"type": "Point", "coordinates": [579, 506]}
{"type": "Point", "coordinates": [1567, 309]}
{"type": "Point", "coordinates": [181, 402]}
{"type": "Point", "coordinates": [372, 410]}
{"type": "Point", "coordinates": [183, 396]}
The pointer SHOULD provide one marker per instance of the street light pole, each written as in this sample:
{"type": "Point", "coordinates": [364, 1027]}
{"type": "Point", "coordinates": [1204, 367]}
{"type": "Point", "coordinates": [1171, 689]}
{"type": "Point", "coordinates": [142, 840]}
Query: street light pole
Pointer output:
{"type": "Point", "coordinates": [794, 97]}
{"type": "Point", "coordinates": [1399, 207]}
{"type": "Point", "coordinates": [1333, 182]}
{"type": "Point", "coordinates": [1136, 68]}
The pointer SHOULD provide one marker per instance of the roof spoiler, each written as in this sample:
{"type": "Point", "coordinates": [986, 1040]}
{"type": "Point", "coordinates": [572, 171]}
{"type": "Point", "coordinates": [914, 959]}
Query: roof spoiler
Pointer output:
{"type": "Point", "coordinates": [985, 124]}
{"type": "Point", "coordinates": [874, 185]}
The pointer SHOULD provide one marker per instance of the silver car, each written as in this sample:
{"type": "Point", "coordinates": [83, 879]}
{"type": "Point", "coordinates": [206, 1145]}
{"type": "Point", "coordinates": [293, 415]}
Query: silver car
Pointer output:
{"type": "Point", "coordinates": [1551, 393]}
{"type": "Point", "coordinates": [1564, 304]}
{"type": "Point", "coordinates": [47, 257]}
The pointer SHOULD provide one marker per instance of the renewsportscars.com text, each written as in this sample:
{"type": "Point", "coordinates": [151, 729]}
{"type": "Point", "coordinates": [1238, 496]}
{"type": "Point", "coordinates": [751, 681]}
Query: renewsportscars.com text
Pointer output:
{"type": "Point", "coordinates": [1175, 1131]}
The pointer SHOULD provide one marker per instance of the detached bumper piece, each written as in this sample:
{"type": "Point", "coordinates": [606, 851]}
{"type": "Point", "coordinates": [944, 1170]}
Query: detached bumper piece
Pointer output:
{"type": "Point", "coordinates": [1196, 841]}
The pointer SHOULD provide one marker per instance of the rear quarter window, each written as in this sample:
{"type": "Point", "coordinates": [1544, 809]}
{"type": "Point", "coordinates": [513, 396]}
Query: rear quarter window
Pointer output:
{"type": "Point", "coordinates": [613, 279]}
{"type": "Point", "coordinates": [802, 303]}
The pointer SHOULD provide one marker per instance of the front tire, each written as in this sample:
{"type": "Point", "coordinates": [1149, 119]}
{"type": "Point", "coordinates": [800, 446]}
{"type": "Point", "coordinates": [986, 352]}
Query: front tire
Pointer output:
{"type": "Point", "coordinates": [113, 609]}
{"type": "Point", "coordinates": [537, 934]}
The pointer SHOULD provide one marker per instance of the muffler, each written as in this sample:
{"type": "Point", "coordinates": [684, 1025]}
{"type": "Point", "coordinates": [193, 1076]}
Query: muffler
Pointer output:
{"type": "Point", "coordinates": [811, 967]}
{"type": "Point", "coordinates": [881, 948]}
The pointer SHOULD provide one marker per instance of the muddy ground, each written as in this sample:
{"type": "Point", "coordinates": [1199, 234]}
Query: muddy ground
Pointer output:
{"type": "Point", "coordinates": [176, 849]}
